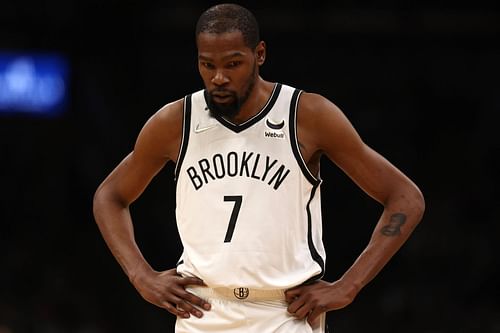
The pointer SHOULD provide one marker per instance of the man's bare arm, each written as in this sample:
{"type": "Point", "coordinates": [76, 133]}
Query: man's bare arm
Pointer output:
{"type": "Point", "coordinates": [325, 129]}
{"type": "Point", "coordinates": [157, 143]}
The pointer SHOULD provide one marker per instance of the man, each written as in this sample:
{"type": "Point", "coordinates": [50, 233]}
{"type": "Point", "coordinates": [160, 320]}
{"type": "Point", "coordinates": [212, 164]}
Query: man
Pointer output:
{"type": "Point", "coordinates": [247, 155]}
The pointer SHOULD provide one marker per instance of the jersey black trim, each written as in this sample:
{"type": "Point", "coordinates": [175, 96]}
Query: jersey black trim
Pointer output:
{"type": "Point", "coordinates": [314, 253]}
{"type": "Point", "coordinates": [265, 110]}
{"type": "Point", "coordinates": [295, 141]}
{"type": "Point", "coordinates": [186, 126]}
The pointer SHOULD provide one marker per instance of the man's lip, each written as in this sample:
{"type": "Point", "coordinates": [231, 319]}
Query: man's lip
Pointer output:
{"type": "Point", "coordinates": [221, 94]}
{"type": "Point", "coordinates": [221, 98]}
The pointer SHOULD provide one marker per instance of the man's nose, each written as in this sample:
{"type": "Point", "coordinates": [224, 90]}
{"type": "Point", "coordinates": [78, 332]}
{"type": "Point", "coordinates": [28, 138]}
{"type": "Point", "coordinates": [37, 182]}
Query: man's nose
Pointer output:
{"type": "Point", "coordinates": [220, 79]}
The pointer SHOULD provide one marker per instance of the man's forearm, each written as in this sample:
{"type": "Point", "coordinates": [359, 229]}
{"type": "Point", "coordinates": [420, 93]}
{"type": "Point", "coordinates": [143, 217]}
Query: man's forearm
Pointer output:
{"type": "Point", "coordinates": [399, 219]}
{"type": "Point", "coordinates": [115, 225]}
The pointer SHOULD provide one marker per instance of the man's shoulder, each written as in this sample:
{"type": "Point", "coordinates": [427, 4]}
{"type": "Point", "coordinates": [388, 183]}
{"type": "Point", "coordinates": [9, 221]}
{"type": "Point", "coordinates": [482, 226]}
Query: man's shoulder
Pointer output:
{"type": "Point", "coordinates": [314, 103]}
{"type": "Point", "coordinates": [169, 116]}
{"type": "Point", "coordinates": [315, 110]}
{"type": "Point", "coordinates": [172, 109]}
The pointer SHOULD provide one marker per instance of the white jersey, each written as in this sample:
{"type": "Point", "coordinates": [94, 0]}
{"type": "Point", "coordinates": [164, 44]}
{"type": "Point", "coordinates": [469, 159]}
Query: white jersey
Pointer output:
{"type": "Point", "coordinates": [248, 209]}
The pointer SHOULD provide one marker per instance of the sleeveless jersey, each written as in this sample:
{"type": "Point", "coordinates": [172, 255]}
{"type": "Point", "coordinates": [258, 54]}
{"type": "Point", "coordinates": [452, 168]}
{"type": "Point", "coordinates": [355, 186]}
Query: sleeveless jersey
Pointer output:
{"type": "Point", "coordinates": [247, 207]}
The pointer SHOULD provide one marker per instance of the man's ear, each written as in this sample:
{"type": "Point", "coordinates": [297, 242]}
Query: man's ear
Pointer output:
{"type": "Point", "coordinates": [260, 53]}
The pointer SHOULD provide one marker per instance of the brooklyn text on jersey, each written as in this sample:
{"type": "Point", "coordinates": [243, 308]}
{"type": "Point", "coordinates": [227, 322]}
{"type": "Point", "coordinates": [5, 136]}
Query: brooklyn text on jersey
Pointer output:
{"type": "Point", "coordinates": [245, 164]}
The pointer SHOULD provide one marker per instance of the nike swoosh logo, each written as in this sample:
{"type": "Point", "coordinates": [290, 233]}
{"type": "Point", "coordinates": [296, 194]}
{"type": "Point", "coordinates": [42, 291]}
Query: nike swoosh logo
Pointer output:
{"type": "Point", "coordinates": [275, 126]}
{"type": "Point", "coordinates": [199, 129]}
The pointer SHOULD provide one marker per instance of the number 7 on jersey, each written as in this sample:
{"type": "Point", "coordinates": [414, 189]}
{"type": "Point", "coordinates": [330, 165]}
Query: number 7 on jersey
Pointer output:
{"type": "Point", "coordinates": [234, 215]}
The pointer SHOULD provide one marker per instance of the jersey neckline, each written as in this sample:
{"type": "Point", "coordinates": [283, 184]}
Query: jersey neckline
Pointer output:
{"type": "Point", "coordinates": [249, 122]}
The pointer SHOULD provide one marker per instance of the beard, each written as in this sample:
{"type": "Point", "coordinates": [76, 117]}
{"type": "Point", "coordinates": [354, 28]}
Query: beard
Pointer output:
{"type": "Point", "coordinates": [230, 109]}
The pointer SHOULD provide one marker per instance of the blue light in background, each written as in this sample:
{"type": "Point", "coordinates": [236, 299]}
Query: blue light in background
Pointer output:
{"type": "Point", "coordinates": [35, 84]}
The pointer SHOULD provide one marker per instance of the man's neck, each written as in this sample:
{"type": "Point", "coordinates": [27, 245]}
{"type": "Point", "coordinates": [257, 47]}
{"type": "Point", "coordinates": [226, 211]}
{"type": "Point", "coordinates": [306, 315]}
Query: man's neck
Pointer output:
{"type": "Point", "coordinates": [256, 101]}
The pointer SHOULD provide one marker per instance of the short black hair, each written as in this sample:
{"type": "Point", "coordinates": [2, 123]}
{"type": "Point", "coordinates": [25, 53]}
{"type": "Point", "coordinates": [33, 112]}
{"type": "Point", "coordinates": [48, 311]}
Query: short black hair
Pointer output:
{"type": "Point", "coordinates": [230, 17]}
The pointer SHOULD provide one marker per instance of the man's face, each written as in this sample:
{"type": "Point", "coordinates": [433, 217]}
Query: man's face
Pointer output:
{"type": "Point", "coordinates": [228, 68]}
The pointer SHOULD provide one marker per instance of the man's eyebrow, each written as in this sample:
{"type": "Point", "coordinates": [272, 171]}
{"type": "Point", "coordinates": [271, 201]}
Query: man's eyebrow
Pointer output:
{"type": "Point", "coordinates": [226, 57]}
{"type": "Point", "coordinates": [233, 55]}
{"type": "Point", "coordinates": [201, 57]}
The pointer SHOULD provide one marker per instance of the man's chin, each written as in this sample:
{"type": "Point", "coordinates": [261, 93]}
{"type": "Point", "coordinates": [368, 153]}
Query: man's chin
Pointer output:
{"type": "Point", "coordinates": [224, 110]}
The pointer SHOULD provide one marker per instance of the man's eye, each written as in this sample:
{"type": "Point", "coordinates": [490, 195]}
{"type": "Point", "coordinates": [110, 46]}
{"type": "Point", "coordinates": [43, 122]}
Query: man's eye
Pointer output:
{"type": "Point", "coordinates": [207, 65]}
{"type": "Point", "coordinates": [233, 64]}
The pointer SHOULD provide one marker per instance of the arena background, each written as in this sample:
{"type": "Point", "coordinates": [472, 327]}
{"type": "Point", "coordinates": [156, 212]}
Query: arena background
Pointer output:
{"type": "Point", "coordinates": [419, 80]}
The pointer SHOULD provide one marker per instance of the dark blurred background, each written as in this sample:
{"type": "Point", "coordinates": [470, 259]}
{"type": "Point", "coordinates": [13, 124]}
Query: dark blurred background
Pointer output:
{"type": "Point", "coordinates": [419, 80]}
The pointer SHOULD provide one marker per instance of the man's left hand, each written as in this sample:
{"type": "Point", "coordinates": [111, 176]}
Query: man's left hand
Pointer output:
{"type": "Point", "coordinates": [314, 299]}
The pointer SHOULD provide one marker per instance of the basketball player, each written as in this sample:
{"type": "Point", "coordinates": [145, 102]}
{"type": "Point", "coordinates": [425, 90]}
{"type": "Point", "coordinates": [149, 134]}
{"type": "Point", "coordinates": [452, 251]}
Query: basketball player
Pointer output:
{"type": "Point", "coordinates": [247, 155]}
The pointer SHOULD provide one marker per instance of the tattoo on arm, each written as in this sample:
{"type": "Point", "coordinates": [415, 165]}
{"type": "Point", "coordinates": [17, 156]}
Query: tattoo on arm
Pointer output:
{"type": "Point", "coordinates": [393, 228]}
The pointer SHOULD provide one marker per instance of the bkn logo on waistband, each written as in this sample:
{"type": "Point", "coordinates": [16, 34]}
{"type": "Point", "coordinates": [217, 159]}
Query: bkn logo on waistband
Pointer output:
{"type": "Point", "coordinates": [241, 293]}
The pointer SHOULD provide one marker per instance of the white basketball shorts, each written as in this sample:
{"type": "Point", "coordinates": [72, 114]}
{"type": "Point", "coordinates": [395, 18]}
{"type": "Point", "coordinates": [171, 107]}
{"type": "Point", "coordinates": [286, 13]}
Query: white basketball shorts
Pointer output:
{"type": "Point", "coordinates": [255, 314]}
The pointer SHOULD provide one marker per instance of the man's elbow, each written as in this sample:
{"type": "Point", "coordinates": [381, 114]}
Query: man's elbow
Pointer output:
{"type": "Point", "coordinates": [97, 201]}
{"type": "Point", "coordinates": [106, 197]}
{"type": "Point", "coordinates": [104, 200]}
{"type": "Point", "coordinates": [418, 203]}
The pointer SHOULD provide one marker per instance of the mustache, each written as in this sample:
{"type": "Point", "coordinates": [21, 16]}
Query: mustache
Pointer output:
{"type": "Point", "coordinates": [222, 90]}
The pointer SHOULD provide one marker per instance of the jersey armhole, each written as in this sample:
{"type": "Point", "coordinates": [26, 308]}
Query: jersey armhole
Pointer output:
{"type": "Point", "coordinates": [294, 104]}
{"type": "Point", "coordinates": [186, 126]}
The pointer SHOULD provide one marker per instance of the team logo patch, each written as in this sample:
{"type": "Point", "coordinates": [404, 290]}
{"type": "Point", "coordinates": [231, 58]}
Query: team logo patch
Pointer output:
{"type": "Point", "coordinates": [241, 293]}
{"type": "Point", "coordinates": [274, 126]}
{"type": "Point", "coordinates": [276, 129]}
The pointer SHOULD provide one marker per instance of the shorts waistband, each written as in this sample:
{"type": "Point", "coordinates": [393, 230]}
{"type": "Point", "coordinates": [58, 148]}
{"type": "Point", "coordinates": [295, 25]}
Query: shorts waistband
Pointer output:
{"type": "Point", "coordinates": [239, 294]}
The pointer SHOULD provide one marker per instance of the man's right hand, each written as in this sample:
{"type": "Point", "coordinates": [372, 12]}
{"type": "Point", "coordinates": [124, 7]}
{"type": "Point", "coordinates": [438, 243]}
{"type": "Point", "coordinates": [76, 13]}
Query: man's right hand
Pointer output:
{"type": "Point", "coordinates": [167, 290]}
